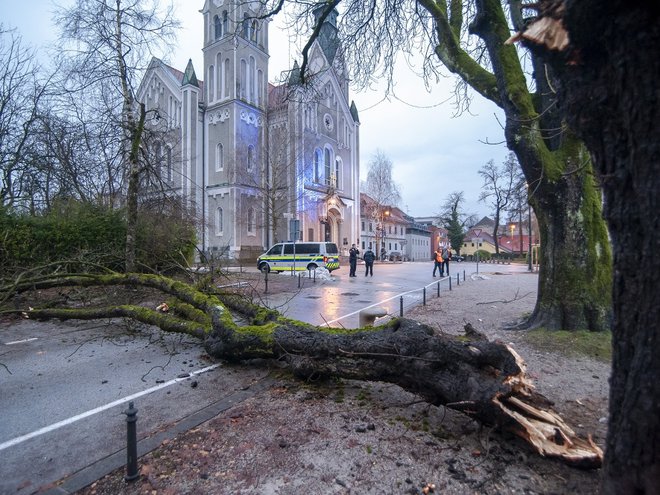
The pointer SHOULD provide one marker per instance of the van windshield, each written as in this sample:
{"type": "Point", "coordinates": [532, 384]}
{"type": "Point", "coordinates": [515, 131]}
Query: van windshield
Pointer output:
{"type": "Point", "coordinates": [331, 248]}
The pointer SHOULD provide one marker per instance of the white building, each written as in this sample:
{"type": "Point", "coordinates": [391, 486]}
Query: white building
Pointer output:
{"type": "Point", "coordinates": [258, 163]}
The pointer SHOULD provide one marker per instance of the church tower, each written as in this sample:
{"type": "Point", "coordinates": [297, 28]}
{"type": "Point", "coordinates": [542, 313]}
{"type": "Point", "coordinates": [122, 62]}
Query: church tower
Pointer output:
{"type": "Point", "coordinates": [235, 95]}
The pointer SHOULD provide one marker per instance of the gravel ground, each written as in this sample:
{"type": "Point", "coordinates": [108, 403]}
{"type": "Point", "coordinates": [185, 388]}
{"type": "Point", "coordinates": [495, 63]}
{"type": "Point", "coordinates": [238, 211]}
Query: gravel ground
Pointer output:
{"type": "Point", "coordinates": [354, 437]}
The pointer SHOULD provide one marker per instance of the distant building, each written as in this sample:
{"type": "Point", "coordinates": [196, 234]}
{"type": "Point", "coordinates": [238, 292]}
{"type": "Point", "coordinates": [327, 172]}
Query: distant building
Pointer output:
{"type": "Point", "coordinates": [419, 236]}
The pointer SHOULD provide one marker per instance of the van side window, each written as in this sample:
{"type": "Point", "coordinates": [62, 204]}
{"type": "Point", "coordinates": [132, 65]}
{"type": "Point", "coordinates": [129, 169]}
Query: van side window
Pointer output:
{"type": "Point", "coordinates": [288, 249]}
{"type": "Point", "coordinates": [308, 248]}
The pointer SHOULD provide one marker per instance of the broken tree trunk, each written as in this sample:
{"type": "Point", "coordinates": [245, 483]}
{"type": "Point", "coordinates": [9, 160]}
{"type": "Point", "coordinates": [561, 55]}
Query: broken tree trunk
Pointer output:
{"type": "Point", "coordinates": [485, 380]}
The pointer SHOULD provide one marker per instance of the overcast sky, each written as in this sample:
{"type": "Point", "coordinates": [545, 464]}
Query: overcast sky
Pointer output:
{"type": "Point", "coordinates": [432, 153]}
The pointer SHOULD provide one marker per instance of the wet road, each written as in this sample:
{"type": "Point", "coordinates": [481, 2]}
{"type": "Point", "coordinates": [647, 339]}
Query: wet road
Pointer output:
{"type": "Point", "coordinates": [64, 387]}
{"type": "Point", "coordinates": [337, 302]}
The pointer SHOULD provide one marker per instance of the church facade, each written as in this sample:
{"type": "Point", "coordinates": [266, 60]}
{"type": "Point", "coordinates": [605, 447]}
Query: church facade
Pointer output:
{"type": "Point", "coordinates": [258, 163]}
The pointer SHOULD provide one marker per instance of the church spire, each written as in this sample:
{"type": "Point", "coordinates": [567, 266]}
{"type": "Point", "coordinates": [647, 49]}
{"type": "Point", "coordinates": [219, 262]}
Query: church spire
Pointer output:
{"type": "Point", "coordinates": [189, 76]}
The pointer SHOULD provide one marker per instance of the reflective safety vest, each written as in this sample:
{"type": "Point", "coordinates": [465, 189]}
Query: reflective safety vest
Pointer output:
{"type": "Point", "coordinates": [438, 257]}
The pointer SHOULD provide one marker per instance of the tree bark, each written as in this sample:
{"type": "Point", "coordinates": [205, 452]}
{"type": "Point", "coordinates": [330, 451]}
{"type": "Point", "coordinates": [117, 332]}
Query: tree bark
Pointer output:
{"type": "Point", "coordinates": [485, 380]}
{"type": "Point", "coordinates": [609, 91]}
{"type": "Point", "coordinates": [575, 249]}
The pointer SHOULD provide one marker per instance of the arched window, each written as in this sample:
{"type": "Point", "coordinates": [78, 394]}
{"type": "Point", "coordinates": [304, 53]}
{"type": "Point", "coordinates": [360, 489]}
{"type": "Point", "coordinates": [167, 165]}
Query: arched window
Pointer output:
{"type": "Point", "coordinates": [246, 27]}
{"type": "Point", "coordinates": [158, 161]}
{"type": "Point", "coordinates": [219, 221]}
{"type": "Point", "coordinates": [217, 25]}
{"type": "Point", "coordinates": [254, 30]}
{"type": "Point", "coordinates": [219, 157]}
{"type": "Point", "coordinates": [218, 76]}
{"type": "Point", "coordinates": [211, 85]}
{"type": "Point", "coordinates": [252, 77]}
{"type": "Point", "coordinates": [225, 22]}
{"type": "Point", "coordinates": [242, 82]}
{"type": "Point", "coordinates": [260, 87]}
{"type": "Point", "coordinates": [317, 165]}
{"type": "Point", "coordinates": [227, 81]}
{"type": "Point", "coordinates": [328, 164]}
{"type": "Point", "coordinates": [168, 156]}
{"type": "Point", "coordinates": [250, 158]}
{"type": "Point", "coordinates": [250, 220]}
{"type": "Point", "coordinates": [337, 176]}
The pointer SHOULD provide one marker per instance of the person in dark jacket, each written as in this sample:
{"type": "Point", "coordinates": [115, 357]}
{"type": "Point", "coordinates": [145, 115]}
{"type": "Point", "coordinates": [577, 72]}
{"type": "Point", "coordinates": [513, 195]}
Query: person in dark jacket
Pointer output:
{"type": "Point", "coordinates": [352, 260]}
{"type": "Point", "coordinates": [369, 256]}
{"type": "Point", "coordinates": [446, 256]}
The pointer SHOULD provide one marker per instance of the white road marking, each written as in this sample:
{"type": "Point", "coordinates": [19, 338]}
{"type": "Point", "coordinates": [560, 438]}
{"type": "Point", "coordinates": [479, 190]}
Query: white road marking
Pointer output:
{"type": "Point", "coordinates": [21, 341]}
{"type": "Point", "coordinates": [73, 419]}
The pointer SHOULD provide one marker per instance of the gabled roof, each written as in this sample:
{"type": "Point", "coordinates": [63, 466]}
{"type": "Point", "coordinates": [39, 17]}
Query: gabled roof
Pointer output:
{"type": "Point", "coordinates": [486, 222]}
{"type": "Point", "coordinates": [176, 77]}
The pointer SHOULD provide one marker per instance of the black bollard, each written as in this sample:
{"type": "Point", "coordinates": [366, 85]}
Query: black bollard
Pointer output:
{"type": "Point", "coordinates": [458, 279]}
{"type": "Point", "coordinates": [131, 443]}
{"type": "Point", "coordinates": [424, 296]}
{"type": "Point", "coordinates": [299, 280]}
{"type": "Point", "coordinates": [438, 288]}
{"type": "Point", "coordinates": [266, 281]}
{"type": "Point", "coordinates": [449, 283]}
{"type": "Point", "coordinates": [401, 306]}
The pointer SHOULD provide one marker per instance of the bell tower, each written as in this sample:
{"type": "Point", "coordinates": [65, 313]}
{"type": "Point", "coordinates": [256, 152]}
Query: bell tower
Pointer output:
{"type": "Point", "coordinates": [235, 96]}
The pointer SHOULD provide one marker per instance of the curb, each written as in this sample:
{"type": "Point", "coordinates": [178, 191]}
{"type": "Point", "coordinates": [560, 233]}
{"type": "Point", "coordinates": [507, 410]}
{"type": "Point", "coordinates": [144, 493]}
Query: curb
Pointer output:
{"type": "Point", "coordinates": [86, 476]}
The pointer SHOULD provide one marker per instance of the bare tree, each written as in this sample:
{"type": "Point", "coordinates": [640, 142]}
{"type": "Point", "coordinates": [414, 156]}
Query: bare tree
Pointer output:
{"type": "Point", "coordinates": [500, 186]}
{"type": "Point", "coordinates": [20, 94]}
{"type": "Point", "coordinates": [382, 189]}
{"type": "Point", "coordinates": [468, 39]}
{"type": "Point", "coordinates": [108, 43]}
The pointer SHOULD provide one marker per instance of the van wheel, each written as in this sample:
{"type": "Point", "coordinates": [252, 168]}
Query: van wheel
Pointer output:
{"type": "Point", "coordinates": [264, 268]}
{"type": "Point", "coordinates": [312, 266]}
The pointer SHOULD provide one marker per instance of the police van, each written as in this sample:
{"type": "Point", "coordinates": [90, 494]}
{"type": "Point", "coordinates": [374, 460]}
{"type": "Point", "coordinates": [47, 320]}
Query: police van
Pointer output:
{"type": "Point", "coordinates": [296, 256]}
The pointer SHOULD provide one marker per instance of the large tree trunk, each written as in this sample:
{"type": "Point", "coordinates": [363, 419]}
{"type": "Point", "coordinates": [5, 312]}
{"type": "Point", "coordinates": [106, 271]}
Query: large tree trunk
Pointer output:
{"type": "Point", "coordinates": [609, 73]}
{"type": "Point", "coordinates": [574, 246]}
{"type": "Point", "coordinates": [575, 262]}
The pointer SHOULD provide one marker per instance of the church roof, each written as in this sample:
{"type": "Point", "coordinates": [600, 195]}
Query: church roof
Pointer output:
{"type": "Point", "coordinates": [177, 74]}
{"type": "Point", "coordinates": [189, 76]}
{"type": "Point", "coordinates": [328, 38]}
{"type": "Point", "coordinates": [354, 112]}
{"type": "Point", "coordinates": [294, 75]}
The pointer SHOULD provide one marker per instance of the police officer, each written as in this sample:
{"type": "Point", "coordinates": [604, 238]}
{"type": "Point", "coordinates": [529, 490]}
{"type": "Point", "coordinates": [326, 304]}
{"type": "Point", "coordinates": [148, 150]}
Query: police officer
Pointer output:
{"type": "Point", "coordinates": [352, 260]}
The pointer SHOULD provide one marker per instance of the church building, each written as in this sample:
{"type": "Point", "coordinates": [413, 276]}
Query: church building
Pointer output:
{"type": "Point", "coordinates": [258, 163]}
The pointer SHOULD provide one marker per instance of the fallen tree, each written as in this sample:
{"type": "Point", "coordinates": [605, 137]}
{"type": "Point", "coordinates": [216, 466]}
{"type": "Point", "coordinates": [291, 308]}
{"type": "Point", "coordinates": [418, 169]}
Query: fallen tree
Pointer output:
{"type": "Point", "coordinates": [484, 380]}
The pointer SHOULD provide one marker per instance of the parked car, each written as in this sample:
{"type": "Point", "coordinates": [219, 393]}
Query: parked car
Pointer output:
{"type": "Point", "coordinates": [457, 257]}
{"type": "Point", "coordinates": [396, 256]}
